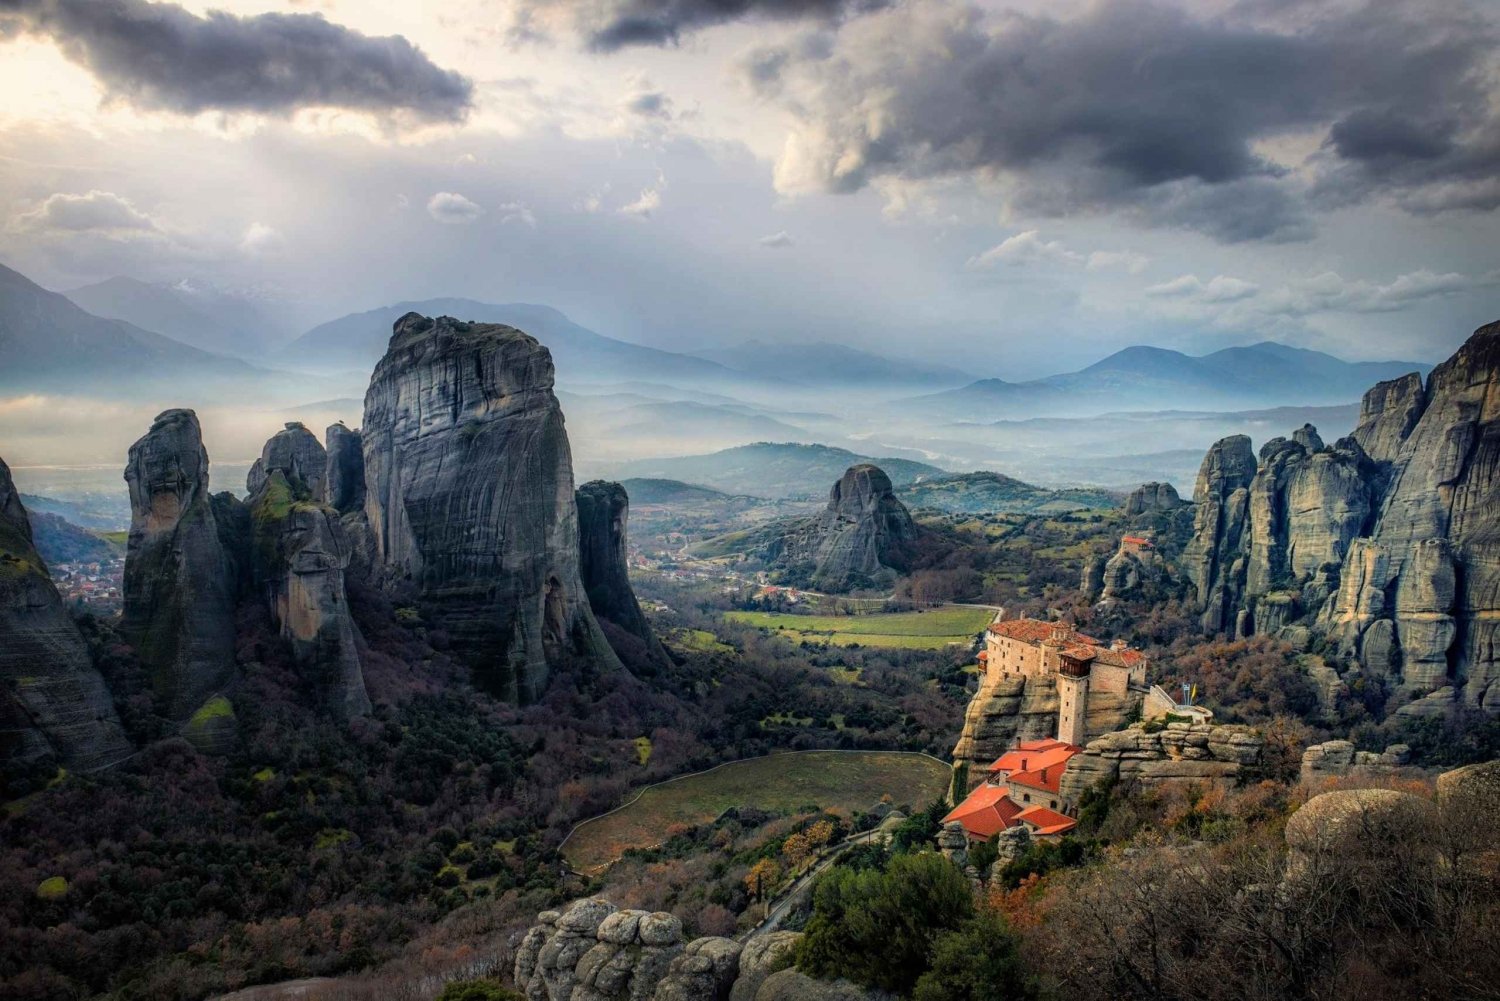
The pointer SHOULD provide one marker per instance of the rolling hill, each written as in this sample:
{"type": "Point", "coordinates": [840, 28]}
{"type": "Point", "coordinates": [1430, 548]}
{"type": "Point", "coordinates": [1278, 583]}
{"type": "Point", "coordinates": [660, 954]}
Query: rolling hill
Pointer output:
{"type": "Point", "coordinates": [202, 318]}
{"type": "Point", "coordinates": [987, 492]}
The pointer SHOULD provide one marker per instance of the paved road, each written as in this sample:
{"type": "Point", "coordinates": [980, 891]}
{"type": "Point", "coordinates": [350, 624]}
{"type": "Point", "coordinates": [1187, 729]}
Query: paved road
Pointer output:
{"type": "Point", "coordinates": [783, 905]}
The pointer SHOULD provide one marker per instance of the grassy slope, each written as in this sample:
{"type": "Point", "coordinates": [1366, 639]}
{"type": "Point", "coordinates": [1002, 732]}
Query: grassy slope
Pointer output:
{"type": "Point", "coordinates": [830, 780]}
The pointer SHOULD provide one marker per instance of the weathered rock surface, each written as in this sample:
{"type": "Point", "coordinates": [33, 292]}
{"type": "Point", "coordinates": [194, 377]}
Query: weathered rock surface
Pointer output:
{"type": "Point", "coordinates": [301, 557]}
{"type": "Point", "coordinates": [1199, 752]}
{"type": "Point", "coordinates": [469, 497]}
{"type": "Point", "coordinates": [603, 560]}
{"type": "Point", "coordinates": [1389, 542]}
{"type": "Point", "coordinates": [52, 700]}
{"type": "Point", "coordinates": [344, 483]}
{"type": "Point", "coordinates": [761, 957]}
{"type": "Point", "coordinates": [1152, 498]}
{"type": "Point", "coordinates": [792, 985]}
{"type": "Point", "coordinates": [180, 585]}
{"type": "Point", "coordinates": [1359, 823]}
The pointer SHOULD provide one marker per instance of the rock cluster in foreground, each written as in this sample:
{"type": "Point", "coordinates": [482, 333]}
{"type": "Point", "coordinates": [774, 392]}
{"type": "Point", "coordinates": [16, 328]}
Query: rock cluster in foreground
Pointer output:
{"type": "Point", "coordinates": [593, 951]}
{"type": "Point", "coordinates": [1196, 752]}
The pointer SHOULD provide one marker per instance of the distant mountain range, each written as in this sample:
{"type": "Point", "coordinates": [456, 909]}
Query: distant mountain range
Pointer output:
{"type": "Point", "coordinates": [200, 316]}
{"type": "Point", "coordinates": [772, 470]}
{"type": "Point", "coordinates": [47, 342]}
{"type": "Point", "coordinates": [828, 364]}
{"type": "Point", "coordinates": [1148, 378]}
{"type": "Point", "coordinates": [358, 340]}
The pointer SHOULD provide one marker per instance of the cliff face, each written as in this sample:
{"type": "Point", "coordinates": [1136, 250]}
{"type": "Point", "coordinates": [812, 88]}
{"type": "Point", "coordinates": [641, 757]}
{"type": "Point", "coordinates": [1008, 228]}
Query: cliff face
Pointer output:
{"type": "Point", "coordinates": [180, 585]}
{"type": "Point", "coordinates": [469, 497]}
{"type": "Point", "coordinates": [603, 559]}
{"type": "Point", "coordinates": [51, 698]}
{"type": "Point", "coordinates": [1199, 753]}
{"type": "Point", "coordinates": [1389, 542]}
{"type": "Point", "coordinates": [301, 556]}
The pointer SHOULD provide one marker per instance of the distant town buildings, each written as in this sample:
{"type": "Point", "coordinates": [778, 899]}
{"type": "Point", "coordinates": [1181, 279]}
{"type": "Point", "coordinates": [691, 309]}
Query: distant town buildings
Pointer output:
{"type": "Point", "coordinates": [95, 586]}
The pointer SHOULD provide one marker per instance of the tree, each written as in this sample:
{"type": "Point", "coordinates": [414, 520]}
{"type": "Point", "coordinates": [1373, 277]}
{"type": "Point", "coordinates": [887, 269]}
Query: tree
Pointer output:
{"type": "Point", "coordinates": [797, 848]}
{"type": "Point", "coordinates": [979, 962]}
{"type": "Point", "coordinates": [878, 928]}
{"type": "Point", "coordinates": [762, 878]}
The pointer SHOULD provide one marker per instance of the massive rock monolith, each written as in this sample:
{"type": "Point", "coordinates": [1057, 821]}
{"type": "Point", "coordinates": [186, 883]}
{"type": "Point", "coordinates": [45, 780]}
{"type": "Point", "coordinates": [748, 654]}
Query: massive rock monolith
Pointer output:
{"type": "Point", "coordinates": [1152, 498]}
{"type": "Point", "coordinates": [469, 498]}
{"type": "Point", "coordinates": [180, 585]}
{"type": "Point", "coordinates": [52, 700]}
{"type": "Point", "coordinates": [863, 537]}
{"type": "Point", "coordinates": [301, 554]}
{"type": "Point", "coordinates": [603, 516]}
{"type": "Point", "coordinates": [1388, 542]}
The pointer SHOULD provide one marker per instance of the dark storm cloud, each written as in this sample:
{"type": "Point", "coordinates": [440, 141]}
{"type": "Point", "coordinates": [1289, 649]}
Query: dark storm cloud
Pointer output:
{"type": "Point", "coordinates": [160, 56]}
{"type": "Point", "coordinates": [609, 25]}
{"type": "Point", "coordinates": [1148, 107]}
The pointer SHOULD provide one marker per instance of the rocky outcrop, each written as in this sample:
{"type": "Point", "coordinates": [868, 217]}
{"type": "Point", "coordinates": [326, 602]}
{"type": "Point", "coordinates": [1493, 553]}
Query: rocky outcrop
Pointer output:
{"type": "Point", "coordinates": [344, 483]}
{"type": "Point", "coordinates": [1338, 758]}
{"type": "Point", "coordinates": [1389, 542]}
{"type": "Point", "coordinates": [603, 561]}
{"type": "Point", "coordinates": [1152, 498]}
{"type": "Point", "coordinates": [864, 533]}
{"type": "Point", "coordinates": [1129, 573]}
{"type": "Point", "coordinates": [1353, 824]}
{"type": "Point", "coordinates": [301, 556]}
{"type": "Point", "coordinates": [180, 585]}
{"type": "Point", "coordinates": [297, 452]}
{"type": "Point", "coordinates": [592, 951]}
{"type": "Point", "coordinates": [469, 498]}
{"type": "Point", "coordinates": [1182, 752]}
{"type": "Point", "coordinates": [52, 700]}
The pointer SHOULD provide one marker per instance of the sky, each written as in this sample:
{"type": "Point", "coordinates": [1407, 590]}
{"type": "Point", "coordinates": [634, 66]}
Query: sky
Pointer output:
{"type": "Point", "coordinates": [1014, 188]}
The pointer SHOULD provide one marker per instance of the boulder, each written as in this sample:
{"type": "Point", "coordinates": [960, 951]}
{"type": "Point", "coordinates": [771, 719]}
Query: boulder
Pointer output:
{"type": "Point", "coordinates": [469, 498]}
{"type": "Point", "coordinates": [705, 971]}
{"type": "Point", "coordinates": [1356, 823]}
{"type": "Point", "coordinates": [180, 585]}
{"type": "Point", "coordinates": [762, 956]}
{"type": "Point", "coordinates": [52, 700]}
{"type": "Point", "coordinates": [793, 985]}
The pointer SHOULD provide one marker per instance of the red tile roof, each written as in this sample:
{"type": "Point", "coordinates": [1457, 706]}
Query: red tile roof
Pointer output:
{"type": "Point", "coordinates": [1136, 540]}
{"type": "Point", "coordinates": [1034, 755]}
{"type": "Point", "coordinates": [1046, 821]}
{"type": "Point", "coordinates": [985, 812]}
{"type": "Point", "coordinates": [1046, 778]}
{"type": "Point", "coordinates": [1034, 631]}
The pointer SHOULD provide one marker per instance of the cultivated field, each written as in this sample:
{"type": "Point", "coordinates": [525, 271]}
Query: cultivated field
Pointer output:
{"type": "Point", "coordinates": [932, 629]}
{"type": "Point", "coordinates": [841, 781]}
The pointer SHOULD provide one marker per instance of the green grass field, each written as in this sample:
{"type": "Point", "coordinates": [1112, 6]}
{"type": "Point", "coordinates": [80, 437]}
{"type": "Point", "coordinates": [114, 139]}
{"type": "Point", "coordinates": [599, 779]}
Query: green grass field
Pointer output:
{"type": "Point", "coordinates": [929, 630]}
{"type": "Point", "coordinates": [841, 781]}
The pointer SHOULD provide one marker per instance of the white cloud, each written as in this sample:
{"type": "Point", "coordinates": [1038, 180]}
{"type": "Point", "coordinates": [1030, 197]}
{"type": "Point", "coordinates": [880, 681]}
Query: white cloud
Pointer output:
{"type": "Point", "coordinates": [643, 206]}
{"type": "Point", "coordinates": [453, 209]}
{"type": "Point", "coordinates": [781, 239]}
{"type": "Point", "coordinates": [1025, 249]}
{"type": "Point", "coordinates": [1220, 288]}
{"type": "Point", "coordinates": [1028, 249]}
{"type": "Point", "coordinates": [260, 239]}
{"type": "Point", "coordinates": [1331, 292]}
{"type": "Point", "coordinates": [97, 211]}
{"type": "Point", "coordinates": [516, 212]}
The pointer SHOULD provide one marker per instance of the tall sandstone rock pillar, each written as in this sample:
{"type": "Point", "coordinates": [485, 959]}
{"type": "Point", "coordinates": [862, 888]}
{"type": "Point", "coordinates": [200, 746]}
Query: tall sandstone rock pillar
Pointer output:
{"type": "Point", "coordinates": [469, 498]}
{"type": "Point", "coordinates": [52, 700]}
{"type": "Point", "coordinates": [301, 554]}
{"type": "Point", "coordinates": [180, 585]}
